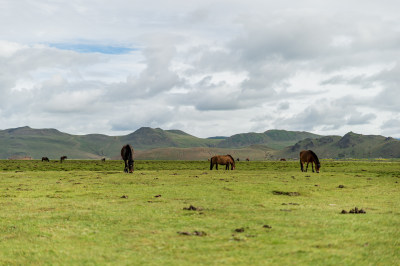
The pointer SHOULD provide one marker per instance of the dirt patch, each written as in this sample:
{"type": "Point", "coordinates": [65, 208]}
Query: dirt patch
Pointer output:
{"type": "Point", "coordinates": [285, 193]}
{"type": "Point", "coordinates": [124, 197]}
{"type": "Point", "coordinates": [239, 230]}
{"type": "Point", "coordinates": [340, 186]}
{"type": "Point", "coordinates": [267, 226]}
{"type": "Point", "coordinates": [354, 211]}
{"type": "Point", "coordinates": [193, 208]}
{"type": "Point", "coordinates": [194, 233]}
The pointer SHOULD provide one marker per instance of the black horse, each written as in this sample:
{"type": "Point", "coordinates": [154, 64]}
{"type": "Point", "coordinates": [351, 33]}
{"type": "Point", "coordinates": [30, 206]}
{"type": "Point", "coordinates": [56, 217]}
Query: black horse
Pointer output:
{"type": "Point", "coordinates": [45, 159]}
{"type": "Point", "coordinates": [62, 158]}
{"type": "Point", "coordinates": [127, 156]}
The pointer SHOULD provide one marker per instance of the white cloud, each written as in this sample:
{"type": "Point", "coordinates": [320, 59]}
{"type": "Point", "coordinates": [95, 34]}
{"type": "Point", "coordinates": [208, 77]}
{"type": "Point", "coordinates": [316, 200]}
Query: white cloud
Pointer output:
{"type": "Point", "coordinates": [210, 67]}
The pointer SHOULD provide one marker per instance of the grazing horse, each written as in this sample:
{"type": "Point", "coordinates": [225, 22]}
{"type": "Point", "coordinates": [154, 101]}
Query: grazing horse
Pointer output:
{"type": "Point", "coordinates": [45, 159]}
{"type": "Point", "coordinates": [127, 156]}
{"type": "Point", "coordinates": [309, 157]}
{"type": "Point", "coordinates": [103, 159]}
{"type": "Point", "coordinates": [62, 158]}
{"type": "Point", "coordinates": [224, 160]}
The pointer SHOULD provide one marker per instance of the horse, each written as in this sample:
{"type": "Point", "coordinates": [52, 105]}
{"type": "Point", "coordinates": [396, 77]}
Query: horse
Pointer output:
{"type": "Point", "coordinates": [62, 158]}
{"type": "Point", "coordinates": [247, 160]}
{"type": "Point", "coordinates": [309, 157]}
{"type": "Point", "coordinates": [103, 159]}
{"type": "Point", "coordinates": [127, 156]}
{"type": "Point", "coordinates": [45, 159]}
{"type": "Point", "coordinates": [282, 160]}
{"type": "Point", "coordinates": [224, 160]}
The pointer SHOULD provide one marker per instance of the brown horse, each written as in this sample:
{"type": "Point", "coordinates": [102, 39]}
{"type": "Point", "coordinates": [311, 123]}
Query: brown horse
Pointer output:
{"type": "Point", "coordinates": [127, 156]}
{"type": "Point", "coordinates": [309, 157]}
{"type": "Point", "coordinates": [62, 158]}
{"type": "Point", "coordinates": [224, 160]}
{"type": "Point", "coordinates": [45, 159]}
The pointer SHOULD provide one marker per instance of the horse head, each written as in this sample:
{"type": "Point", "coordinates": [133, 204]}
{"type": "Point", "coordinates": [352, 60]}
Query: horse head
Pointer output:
{"type": "Point", "coordinates": [130, 165]}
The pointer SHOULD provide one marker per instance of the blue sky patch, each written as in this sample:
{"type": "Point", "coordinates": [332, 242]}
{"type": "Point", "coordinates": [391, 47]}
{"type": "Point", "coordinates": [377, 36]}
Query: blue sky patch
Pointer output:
{"type": "Point", "coordinates": [92, 48]}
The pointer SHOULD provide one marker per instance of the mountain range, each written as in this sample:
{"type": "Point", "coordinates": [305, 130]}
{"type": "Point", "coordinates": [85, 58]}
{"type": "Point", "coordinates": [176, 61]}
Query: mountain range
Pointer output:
{"type": "Point", "coordinates": [156, 143]}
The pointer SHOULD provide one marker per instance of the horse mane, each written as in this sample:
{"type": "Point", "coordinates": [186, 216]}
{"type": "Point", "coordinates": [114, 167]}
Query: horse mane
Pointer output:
{"type": "Point", "coordinates": [128, 149]}
{"type": "Point", "coordinates": [231, 158]}
{"type": "Point", "coordinates": [315, 156]}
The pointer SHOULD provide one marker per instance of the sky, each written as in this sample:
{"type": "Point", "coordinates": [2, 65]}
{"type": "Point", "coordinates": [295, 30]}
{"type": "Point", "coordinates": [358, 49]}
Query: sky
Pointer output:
{"type": "Point", "coordinates": [209, 68]}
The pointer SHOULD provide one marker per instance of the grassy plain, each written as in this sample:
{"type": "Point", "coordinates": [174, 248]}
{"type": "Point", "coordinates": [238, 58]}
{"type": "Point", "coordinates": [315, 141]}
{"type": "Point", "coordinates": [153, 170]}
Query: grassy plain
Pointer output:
{"type": "Point", "coordinates": [89, 212]}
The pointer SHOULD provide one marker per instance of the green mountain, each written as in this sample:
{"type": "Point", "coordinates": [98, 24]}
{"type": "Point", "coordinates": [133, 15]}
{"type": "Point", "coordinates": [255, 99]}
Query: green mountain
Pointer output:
{"type": "Point", "coordinates": [276, 139]}
{"type": "Point", "coordinates": [351, 145]}
{"type": "Point", "coordinates": [150, 143]}
{"type": "Point", "coordinates": [36, 143]}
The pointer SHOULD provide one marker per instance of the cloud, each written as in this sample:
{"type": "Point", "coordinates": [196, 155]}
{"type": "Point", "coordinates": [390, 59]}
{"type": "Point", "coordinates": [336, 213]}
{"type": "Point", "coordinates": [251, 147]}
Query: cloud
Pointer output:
{"type": "Point", "coordinates": [231, 66]}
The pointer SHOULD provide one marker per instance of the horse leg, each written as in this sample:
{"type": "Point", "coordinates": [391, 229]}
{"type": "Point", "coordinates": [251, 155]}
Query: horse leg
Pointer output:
{"type": "Point", "coordinates": [301, 166]}
{"type": "Point", "coordinates": [216, 166]}
{"type": "Point", "coordinates": [307, 166]}
{"type": "Point", "coordinates": [211, 165]}
{"type": "Point", "coordinates": [126, 166]}
{"type": "Point", "coordinates": [312, 167]}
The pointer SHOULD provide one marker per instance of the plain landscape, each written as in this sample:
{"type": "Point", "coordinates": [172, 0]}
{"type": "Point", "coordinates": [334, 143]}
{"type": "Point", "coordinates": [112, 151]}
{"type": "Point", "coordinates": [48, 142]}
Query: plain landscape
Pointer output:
{"type": "Point", "coordinates": [181, 213]}
{"type": "Point", "coordinates": [173, 210]}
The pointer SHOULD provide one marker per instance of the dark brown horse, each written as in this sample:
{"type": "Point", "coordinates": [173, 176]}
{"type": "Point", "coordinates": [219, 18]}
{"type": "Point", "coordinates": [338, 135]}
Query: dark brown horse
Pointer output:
{"type": "Point", "coordinates": [127, 156]}
{"type": "Point", "coordinates": [62, 158]}
{"type": "Point", "coordinates": [45, 159]}
{"type": "Point", "coordinates": [309, 157]}
{"type": "Point", "coordinates": [224, 160]}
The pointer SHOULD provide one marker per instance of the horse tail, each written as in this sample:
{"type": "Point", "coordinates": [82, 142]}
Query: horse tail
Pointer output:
{"type": "Point", "coordinates": [211, 163]}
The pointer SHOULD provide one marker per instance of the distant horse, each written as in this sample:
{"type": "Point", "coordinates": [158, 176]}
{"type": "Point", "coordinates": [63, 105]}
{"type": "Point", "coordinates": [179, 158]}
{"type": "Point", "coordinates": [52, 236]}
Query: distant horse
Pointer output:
{"type": "Point", "coordinates": [283, 160]}
{"type": "Point", "coordinates": [103, 159]}
{"type": "Point", "coordinates": [45, 159]}
{"type": "Point", "coordinates": [62, 158]}
{"type": "Point", "coordinates": [127, 156]}
{"type": "Point", "coordinates": [309, 157]}
{"type": "Point", "coordinates": [224, 160]}
{"type": "Point", "coordinates": [238, 159]}
{"type": "Point", "coordinates": [247, 160]}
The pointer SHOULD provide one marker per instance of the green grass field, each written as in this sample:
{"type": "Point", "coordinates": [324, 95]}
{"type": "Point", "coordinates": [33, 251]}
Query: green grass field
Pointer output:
{"type": "Point", "coordinates": [91, 213]}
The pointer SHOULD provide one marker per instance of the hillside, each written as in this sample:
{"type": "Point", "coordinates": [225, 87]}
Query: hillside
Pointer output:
{"type": "Point", "coordinates": [276, 139]}
{"type": "Point", "coordinates": [150, 143]}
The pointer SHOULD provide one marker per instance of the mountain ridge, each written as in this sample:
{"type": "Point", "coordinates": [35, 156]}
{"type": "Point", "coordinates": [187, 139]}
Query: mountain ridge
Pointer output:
{"type": "Point", "coordinates": [156, 143]}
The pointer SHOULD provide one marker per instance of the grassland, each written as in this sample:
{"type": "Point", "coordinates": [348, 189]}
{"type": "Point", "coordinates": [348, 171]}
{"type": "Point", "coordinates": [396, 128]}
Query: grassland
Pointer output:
{"type": "Point", "coordinates": [91, 213]}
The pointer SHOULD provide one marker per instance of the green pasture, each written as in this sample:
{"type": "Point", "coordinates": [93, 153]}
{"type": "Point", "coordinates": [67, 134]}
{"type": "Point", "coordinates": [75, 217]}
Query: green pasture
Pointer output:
{"type": "Point", "coordinates": [181, 213]}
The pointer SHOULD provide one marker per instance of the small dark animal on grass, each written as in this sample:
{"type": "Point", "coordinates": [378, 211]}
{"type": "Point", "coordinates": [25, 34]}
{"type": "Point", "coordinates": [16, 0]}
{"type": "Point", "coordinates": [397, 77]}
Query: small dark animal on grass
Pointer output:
{"type": "Point", "coordinates": [45, 159]}
{"type": "Point", "coordinates": [309, 157]}
{"type": "Point", "coordinates": [247, 160]}
{"type": "Point", "coordinates": [127, 156]}
{"type": "Point", "coordinates": [103, 159]}
{"type": "Point", "coordinates": [283, 160]}
{"type": "Point", "coordinates": [224, 160]}
{"type": "Point", "coordinates": [62, 158]}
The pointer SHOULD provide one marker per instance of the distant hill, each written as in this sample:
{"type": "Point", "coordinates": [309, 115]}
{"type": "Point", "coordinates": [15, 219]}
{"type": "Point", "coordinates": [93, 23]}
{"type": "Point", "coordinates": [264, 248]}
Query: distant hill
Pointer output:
{"type": "Point", "coordinates": [156, 143]}
{"type": "Point", "coordinates": [351, 145]}
{"type": "Point", "coordinates": [276, 139]}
